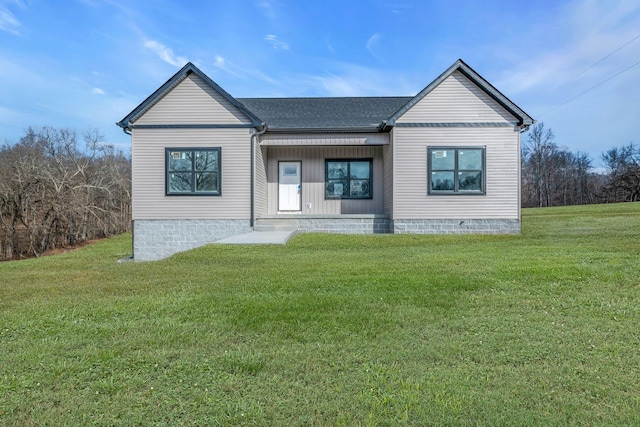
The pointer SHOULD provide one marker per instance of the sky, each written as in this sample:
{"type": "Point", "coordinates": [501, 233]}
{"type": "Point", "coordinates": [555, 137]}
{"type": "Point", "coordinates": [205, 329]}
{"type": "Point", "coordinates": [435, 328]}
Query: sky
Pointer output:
{"type": "Point", "coordinates": [85, 64]}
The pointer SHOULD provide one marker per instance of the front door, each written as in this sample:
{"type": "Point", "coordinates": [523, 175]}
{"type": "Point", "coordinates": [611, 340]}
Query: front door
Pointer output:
{"type": "Point", "coordinates": [289, 186]}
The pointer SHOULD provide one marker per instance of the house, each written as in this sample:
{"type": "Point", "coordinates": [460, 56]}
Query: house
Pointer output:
{"type": "Point", "coordinates": [207, 166]}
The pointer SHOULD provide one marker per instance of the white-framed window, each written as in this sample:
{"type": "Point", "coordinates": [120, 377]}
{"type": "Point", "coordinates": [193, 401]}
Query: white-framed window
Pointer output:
{"type": "Point", "coordinates": [456, 170]}
{"type": "Point", "coordinates": [193, 171]}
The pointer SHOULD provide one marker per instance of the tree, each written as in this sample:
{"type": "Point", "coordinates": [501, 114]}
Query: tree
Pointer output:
{"type": "Point", "coordinates": [539, 158]}
{"type": "Point", "coordinates": [553, 175]}
{"type": "Point", "coordinates": [53, 192]}
{"type": "Point", "coordinates": [624, 173]}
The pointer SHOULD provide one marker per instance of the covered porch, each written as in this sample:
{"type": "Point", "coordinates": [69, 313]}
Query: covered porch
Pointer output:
{"type": "Point", "coordinates": [327, 182]}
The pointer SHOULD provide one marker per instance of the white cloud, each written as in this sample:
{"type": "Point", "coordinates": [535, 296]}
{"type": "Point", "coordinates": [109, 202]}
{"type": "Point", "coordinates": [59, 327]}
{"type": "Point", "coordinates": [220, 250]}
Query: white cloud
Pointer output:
{"type": "Point", "coordinates": [97, 91]}
{"type": "Point", "coordinates": [346, 79]}
{"type": "Point", "coordinates": [222, 64]}
{"type": "Point", "coordinates": [372, 44]}
{"type": "Point", "coordinates": [267, 8]}
{"type": "Point", "coordinates": [574, 80]}
{"type": "Point", "coordinates": [235, 70]}
{"type": "Point", "coordinates": [8, 21]}
{"type": "Point", "coordinates": [398, 7]}
{"type": "Point", "coordinates": [165, 53]}
{"type": "Point", "coordinates": [591, 30]}
{"type": "Point", "coordinates": [275, 43]}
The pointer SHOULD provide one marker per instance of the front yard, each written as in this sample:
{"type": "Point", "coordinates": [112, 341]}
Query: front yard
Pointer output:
{"type": "Point", "coordinates": [537, 329]}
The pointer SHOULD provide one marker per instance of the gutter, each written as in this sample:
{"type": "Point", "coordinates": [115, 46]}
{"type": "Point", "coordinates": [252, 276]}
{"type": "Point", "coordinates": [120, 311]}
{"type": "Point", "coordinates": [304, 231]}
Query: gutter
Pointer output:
{"type": "Point", "coordinates": [252, 202]}
{"type": "Point", "coordinates": [125, 127]}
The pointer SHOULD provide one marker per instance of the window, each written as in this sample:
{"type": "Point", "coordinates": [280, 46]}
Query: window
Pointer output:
{"type": "Point", "coordinates": [348, 179]}
{"type": "Point", "coordinates": [456, 170]}
{"type": "Point", "coordinates": [193, 171]}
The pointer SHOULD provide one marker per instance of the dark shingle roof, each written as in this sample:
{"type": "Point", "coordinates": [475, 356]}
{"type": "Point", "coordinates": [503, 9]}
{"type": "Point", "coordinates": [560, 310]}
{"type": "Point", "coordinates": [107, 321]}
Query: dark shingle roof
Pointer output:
{"type": "Point", "coordinates": [324, 113]}
{"type": "Point", "coordinates": [340, 114]}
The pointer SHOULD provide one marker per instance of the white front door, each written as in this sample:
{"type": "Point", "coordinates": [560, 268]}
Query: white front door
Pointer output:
{"type": "Point", "coordinates": [289, 186]}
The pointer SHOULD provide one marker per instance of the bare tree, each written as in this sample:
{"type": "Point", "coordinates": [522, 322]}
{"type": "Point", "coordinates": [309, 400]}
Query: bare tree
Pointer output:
{"type": "Point", "coordinates": [624, 173]}
{"type": "Point", "coordinates": [553, 175]}
{"type": "Point", "coordinates": [56, 190]}
{"type": "Point", "coordinates": [539, 163]}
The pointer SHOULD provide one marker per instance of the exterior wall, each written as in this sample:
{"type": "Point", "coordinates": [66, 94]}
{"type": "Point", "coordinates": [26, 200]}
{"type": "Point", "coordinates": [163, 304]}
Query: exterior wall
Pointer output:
{"type": "Point", "coordinates": [260, 178]}
{"type": "Point", "coordinates": [158, 239]}
{"type": "Point", "coordinates": [411, 198]}
{"type": "Point", "coordinates": [192, 101]}
{"type": "Point", "coordinates": [456, 113]}
{"type": "Point", "coordinates": [148, 179]}
{"type": "Point", "coordinates": [387, 165]}
{"type": "Point", "coordinates": [313, 178]}
{"type": "Point", "coordinates": [457, 100]}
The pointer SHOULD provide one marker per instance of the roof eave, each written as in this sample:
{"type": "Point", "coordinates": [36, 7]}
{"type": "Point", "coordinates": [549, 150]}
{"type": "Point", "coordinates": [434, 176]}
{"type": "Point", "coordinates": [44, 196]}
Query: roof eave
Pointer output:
{"type": "Point", "coordinates": [337, 129]}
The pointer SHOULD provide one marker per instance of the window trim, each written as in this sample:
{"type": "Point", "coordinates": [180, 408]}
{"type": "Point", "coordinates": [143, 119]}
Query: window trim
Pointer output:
{"type": "Point", "coordinates": [456, 191]}
{"type": "Point", "coordinates": [348, 161]}
{"type": "Point", "coordinates": [167, 171]}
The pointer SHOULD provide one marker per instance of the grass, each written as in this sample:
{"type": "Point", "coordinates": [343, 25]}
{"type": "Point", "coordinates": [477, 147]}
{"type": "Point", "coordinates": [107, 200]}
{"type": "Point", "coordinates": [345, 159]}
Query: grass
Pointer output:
{"type": "Point", "coordinates": [537, 329]}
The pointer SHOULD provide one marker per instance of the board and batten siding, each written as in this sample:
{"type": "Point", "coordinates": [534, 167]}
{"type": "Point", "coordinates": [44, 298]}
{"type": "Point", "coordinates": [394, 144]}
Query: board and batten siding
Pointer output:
{"type": "Point", "coordinates": [457, 100]}
{"type": "Point", "coordinates": [148, 179]}
{"type": "Point", "coordinates": [313, 178]}
{"type": "Point", "coordinates": [410, 180]}
{"type": "Point", "coordinates": [192, 101]}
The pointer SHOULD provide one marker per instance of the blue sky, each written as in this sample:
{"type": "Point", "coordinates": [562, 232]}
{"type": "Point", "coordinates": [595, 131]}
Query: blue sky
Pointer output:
{"type": "Point", "coordinates": [87, 63]}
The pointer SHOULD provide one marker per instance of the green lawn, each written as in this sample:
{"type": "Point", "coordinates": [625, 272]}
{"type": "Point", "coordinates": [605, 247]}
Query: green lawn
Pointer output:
{"type": "Point", "coordinates": [537, 329]}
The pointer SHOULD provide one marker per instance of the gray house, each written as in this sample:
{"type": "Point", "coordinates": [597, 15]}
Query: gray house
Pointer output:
{"type": "Point", "coordinates": [207, 166]}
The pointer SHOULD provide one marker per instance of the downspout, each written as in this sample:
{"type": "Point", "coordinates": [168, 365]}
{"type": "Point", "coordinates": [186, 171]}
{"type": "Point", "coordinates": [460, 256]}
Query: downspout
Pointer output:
{"type": "Point", "coordinates": [254, 136]}
{"type": "Point", "coordinates": [126, 129]}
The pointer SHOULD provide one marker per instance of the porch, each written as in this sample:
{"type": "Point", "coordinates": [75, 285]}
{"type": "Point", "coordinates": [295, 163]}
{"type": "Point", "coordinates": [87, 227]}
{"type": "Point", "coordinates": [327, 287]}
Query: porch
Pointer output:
{"type": "Point", "coordinates": [317, 184]}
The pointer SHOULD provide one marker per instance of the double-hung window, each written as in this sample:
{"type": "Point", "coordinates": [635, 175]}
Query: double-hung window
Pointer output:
{"type": "Point", "coordinates": [459, 170]}
{"type": "Point", "coordinates": [193, 171]}
{"type": "Point", "coordinates": [348, 179]}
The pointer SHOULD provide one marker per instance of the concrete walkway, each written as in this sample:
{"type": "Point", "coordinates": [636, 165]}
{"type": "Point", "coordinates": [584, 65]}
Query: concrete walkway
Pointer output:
{"type": "Point", "coordinates": [271, 237]}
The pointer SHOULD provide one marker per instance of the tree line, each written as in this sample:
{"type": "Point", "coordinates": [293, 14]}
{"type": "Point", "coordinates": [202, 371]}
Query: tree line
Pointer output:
{"type": "Point", "coordinates": [555, 176]}
{"type": "Point", "coordinates": [59, 189]}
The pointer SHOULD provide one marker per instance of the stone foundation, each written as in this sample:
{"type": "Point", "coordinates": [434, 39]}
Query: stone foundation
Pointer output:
{"type": "Point", "coordinates": [158, 239]}
{"type": "Point", "coordinates": [345, 225]}
{"type": "Point", "coordinates": [456, 226]}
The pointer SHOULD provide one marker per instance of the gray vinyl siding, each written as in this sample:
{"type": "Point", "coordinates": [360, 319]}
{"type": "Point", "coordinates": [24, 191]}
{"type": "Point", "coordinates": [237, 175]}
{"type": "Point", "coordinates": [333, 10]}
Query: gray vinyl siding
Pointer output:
{"type": "Point", "coordinates": [260, 186]}
{"type": "Point", "coordinates": [457, 100]}
{"type": "Point", "coordinates": [313, 178]}
{"type": "Point", "coordinates": [325, 139]}
{"type": "Point", "coordinates": [192, 101]}
{"type": "Point", "coordinates": [411, 199]}
{"type": "Point", "coordinates": [387, 162]}
{"type": "Point", "coordinates": [148, 180]}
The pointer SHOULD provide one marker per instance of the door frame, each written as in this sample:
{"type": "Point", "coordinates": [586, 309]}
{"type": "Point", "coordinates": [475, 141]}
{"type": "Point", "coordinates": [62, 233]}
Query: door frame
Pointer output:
{"type": "Point", "coordinates": [299, 162]}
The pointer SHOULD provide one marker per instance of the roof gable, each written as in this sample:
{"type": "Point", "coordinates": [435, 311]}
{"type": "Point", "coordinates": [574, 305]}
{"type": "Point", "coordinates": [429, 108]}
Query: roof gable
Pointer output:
{"type": "Point", "coordinates": [174, 81]}
{"type": "Point", "coordinates": [523, 118]}
{"type": "Point", "coordinates": [325, 114]}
